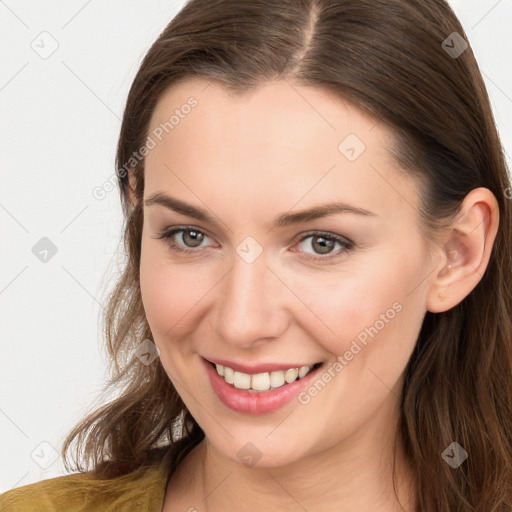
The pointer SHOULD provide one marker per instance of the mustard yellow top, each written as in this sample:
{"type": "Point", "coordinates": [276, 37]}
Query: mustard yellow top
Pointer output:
{"type": "Point", "coordinates": [142, 490]}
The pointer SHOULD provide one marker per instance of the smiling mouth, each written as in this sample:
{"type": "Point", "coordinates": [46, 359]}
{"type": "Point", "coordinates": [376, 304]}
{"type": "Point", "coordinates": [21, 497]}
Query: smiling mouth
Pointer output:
{"type": "Point", "coordinates": [261, 382]}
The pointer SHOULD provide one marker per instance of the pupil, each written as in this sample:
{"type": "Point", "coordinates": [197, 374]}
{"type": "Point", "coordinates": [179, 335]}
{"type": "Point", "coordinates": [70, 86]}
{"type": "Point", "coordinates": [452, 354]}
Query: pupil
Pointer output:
{"type": "Point", "coordinates": [324, 246]}
{"type": "Point", "coordinates": [196, 238]}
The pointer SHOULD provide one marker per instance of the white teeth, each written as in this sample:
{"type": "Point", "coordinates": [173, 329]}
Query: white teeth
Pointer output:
{"type": "Point", "coordinates": [261, 381]}
{"type": "Point", "coordinates": [242, 380]}
{"type": "Point", "coordinates": [229, 375]}
{"type": "Point", "coordinates": [276, 379]}
{"type": "Point", "coordinates": [303, 371]}
{"type": "Point", "coordinates": [291, 375]}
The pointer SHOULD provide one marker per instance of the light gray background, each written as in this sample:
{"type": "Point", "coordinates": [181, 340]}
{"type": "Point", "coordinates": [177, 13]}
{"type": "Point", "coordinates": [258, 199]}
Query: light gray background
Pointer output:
{"type": "Point", "coordinates": [60, 119]}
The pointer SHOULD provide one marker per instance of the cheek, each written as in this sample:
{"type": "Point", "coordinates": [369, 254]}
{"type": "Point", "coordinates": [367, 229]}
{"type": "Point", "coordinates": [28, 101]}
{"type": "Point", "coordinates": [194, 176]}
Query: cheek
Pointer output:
{"type": "Point", "coordinates": [362, 305]}
{"type": "Point", "coordinates": [344, 317]}
{"type": "Point", "coordinates": [168, 291]}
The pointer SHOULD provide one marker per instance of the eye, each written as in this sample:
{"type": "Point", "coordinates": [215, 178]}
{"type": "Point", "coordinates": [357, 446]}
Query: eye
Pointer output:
{"type": "Point", "coordinates": [190, 237]}
{"type": "Point", "coordinates": [323, 244]}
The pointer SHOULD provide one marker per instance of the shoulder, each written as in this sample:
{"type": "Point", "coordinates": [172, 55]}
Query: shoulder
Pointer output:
{"type": "Point", "coordinates": [143, 489]}
{"type": "Point", "coordinates": [47, 495]}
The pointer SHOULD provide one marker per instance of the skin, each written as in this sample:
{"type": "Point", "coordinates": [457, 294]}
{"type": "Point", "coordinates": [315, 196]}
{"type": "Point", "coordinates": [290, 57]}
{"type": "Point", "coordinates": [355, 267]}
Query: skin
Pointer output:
{"type": "Point", "coordinates": [246, 160]}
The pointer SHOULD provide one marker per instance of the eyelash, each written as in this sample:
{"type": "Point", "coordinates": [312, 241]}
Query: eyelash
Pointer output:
{"type": "Point", "coordinates": [347, 245]}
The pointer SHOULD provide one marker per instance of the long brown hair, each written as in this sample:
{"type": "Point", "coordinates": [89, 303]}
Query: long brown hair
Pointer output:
{"type": "Point", "coordinates": [387, 58]}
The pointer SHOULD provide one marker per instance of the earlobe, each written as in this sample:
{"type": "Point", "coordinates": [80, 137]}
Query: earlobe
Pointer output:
{"type": "Point", "coordinates": [466, 251]}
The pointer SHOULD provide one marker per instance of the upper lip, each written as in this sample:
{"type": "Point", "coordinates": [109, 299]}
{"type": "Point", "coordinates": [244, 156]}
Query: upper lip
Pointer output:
{"type": "Point", "coordinates": [257, 368]}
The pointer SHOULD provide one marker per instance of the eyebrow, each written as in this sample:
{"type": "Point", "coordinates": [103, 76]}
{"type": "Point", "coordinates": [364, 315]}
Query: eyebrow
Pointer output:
{"type": "Point", "coordinates": [282, 220]}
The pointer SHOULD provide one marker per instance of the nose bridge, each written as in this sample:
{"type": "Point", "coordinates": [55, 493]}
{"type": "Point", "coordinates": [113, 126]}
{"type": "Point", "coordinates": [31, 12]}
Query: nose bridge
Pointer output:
{"type": "Point", "coordinates": [248, 308]}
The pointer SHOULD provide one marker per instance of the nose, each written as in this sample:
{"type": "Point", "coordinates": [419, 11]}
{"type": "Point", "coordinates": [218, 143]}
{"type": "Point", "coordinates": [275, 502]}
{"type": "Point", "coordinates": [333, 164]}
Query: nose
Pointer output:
{"type": "Point", "coordinates": [251, 304]}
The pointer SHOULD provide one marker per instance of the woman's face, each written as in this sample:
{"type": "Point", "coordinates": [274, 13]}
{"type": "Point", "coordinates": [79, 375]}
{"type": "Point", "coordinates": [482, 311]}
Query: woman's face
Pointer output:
{"type": "Point", "coordinates": [257, 285]}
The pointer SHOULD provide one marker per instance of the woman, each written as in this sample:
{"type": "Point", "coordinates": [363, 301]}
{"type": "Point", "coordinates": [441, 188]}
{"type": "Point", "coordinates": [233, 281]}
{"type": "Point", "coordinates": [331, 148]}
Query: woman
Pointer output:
{"type": "Point", "coordinates": [315, 311]}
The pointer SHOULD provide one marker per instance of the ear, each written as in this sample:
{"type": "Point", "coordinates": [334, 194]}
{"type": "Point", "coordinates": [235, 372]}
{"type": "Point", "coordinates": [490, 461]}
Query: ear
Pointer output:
{"type": "Point", "coordinates": [132, 186]}
{"type": "Point", "coordinates": [465, 254]}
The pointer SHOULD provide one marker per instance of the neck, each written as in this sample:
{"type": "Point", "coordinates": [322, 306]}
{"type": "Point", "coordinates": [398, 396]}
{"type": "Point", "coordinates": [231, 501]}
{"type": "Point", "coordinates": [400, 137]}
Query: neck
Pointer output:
{"type": "Point", "coordinates": [355, 475]}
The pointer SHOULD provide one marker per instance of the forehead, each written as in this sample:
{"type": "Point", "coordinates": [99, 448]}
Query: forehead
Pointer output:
{"type": "Point", "coordinates": [276, 113]}
{"type": "Point", "coordinates": [283, 140]}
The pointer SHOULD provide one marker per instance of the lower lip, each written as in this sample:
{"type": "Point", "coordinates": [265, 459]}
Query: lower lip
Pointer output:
{"type": "Point", "coordinates": [240, 400]}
